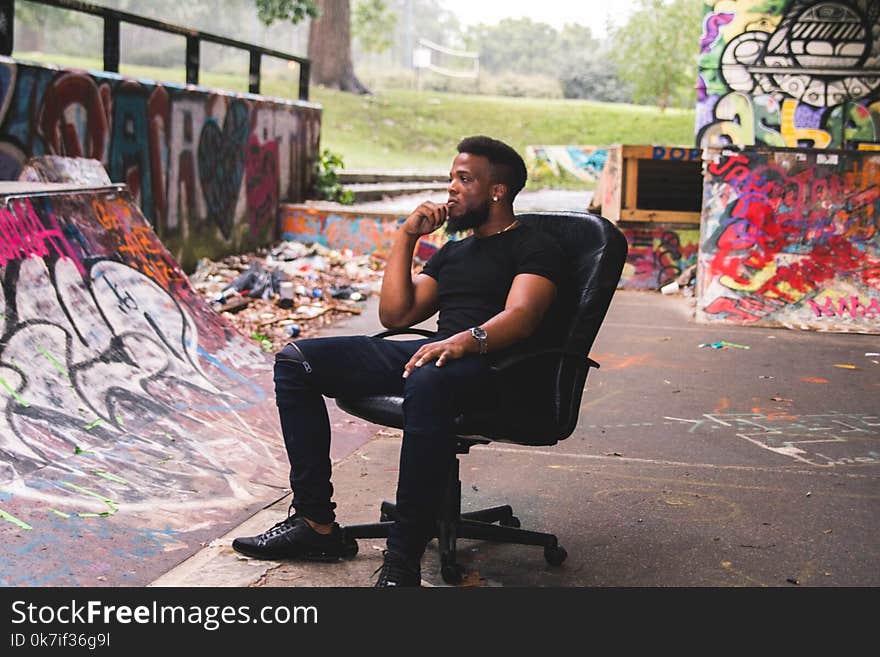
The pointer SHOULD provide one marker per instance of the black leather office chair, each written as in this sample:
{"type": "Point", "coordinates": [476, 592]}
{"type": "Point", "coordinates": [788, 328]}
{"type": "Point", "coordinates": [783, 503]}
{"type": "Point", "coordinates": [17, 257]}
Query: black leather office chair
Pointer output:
{"type": "Point", "coordinates": [542, 412]}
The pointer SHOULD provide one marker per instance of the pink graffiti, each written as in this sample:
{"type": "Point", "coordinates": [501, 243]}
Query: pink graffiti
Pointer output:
{"type": "Point", "coordinates": [853, 306]}
{"type": "Point", "coordinates": [22, 235]}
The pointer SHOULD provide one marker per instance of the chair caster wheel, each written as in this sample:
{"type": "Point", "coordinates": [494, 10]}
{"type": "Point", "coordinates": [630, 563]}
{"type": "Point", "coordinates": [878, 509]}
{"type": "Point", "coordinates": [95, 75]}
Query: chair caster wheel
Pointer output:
{"type": "Point", "coordinates": [451, 574]}
{"type": "Point", "coordinates": [555, 555]}
{"type": "Point", "coordinates": [512, 521]}
{"type": "Point", "coordinates": [351, 548]}
{"type": "Point", "coordinates": [384, 517]}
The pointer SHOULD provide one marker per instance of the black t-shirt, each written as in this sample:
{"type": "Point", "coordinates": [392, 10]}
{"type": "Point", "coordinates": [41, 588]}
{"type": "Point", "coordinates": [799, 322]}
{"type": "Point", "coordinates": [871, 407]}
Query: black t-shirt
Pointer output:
{"type": "Point", "coordinates": [474, 275]}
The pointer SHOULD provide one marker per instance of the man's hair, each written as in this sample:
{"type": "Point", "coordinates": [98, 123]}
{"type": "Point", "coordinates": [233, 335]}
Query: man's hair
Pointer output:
{"type": "Point", "coordinates": [507, 166]}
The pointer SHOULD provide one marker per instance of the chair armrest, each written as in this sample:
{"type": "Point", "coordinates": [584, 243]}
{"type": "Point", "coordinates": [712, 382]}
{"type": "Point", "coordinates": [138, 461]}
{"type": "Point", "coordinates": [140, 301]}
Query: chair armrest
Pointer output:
{"type": "Point", "coordinates": [517, 359]}
{"type": "Point", "coordinates": [405, 331]}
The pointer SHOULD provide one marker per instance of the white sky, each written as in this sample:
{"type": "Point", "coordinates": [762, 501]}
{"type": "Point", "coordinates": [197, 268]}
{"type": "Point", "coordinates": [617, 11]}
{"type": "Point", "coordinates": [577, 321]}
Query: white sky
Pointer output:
{"type": "Point", "coordinates": [592, 13]}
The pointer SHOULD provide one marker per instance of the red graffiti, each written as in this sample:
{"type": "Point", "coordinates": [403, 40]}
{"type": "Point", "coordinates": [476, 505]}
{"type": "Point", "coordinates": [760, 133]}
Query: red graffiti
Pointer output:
{"type": "Point", "coordinates": [807, 227]}
{"type": "Point", "coordinates": [22, 235]}
{"type": "Point", "coordinates": [744, 310]}
{"type": "Point", "coordinates": [60, 134]}
{"type": "Point", "coordinates": [736, 167]}
{"type": "Point", "coordinates": [748, 244]}
{"type": "Point", "coordinates": [159, 118]}
{"type": "Point", "coordinates": [824, 263]}
{"type": "Point", "coordinates": [261, 183]}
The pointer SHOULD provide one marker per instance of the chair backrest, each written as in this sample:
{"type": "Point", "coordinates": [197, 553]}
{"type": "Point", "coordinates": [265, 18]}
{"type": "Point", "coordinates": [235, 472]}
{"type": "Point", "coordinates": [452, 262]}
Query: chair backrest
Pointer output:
{"type": "Point", "coordinates": [541, 407]}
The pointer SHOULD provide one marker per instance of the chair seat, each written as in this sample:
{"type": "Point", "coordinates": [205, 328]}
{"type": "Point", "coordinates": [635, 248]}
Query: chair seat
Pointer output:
{"type": "Point", "coordinates": [476, 426]}
{"type": "Point", "coordinates": [386, 410]}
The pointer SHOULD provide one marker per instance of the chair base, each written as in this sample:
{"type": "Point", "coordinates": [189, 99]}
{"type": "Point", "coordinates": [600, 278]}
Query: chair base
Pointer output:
{"type": "Point", "coordinates": [453, 524]}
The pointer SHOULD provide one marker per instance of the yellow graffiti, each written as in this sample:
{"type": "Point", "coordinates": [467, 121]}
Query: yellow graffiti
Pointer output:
{"type": "Point", "coordinates": [757, 281]}
{"type": "Point", "coordinates": [792, 134]}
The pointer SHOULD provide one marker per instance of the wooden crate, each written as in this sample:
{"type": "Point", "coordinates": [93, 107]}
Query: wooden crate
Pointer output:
{"type": "Point", "coordinates": [651, 183]}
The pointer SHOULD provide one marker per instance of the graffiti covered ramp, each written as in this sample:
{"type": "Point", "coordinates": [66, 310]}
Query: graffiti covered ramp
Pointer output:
{"type": "Point", "coordinates": [136, 424]}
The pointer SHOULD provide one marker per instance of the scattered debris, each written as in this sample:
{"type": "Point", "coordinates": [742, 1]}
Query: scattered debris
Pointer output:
{"type": "Point", "coordinates": [723, 344]}
{"type": "Point", "coordinates": [872, 354]}
{"type": "Point", "coordinates": [472, 579]}
{"type": "Point", "coordinates": [846, 366]}
{"type": "Point", "coordinates": [780, 399]}
{"type": "Point", "coordinates": [684, 282]}
{"type": "Point", "coordinates": [792, 580]}
{"type": "Point", "coordinates": [809, 493]}
{"type": "Point", "coordinates": [288, 291]}
{"type": "Point", "coordinates": [766, 376]}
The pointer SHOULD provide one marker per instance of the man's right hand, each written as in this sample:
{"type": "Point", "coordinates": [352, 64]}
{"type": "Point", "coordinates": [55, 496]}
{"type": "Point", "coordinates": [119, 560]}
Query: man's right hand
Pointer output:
{"type": "Point", "coordinates": [425, 219]}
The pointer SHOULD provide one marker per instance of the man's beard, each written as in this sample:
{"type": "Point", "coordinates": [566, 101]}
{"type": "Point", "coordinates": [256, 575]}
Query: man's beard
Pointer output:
{"type": "Point", "coordinates": [473, 218]}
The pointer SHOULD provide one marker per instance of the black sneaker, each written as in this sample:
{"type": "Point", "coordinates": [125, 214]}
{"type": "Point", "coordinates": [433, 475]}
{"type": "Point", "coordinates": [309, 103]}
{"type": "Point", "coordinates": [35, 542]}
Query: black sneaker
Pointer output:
{"type": "Point", "coordinates": [397, 570]}
{"type": "Point", "coordinates": [294, 538]}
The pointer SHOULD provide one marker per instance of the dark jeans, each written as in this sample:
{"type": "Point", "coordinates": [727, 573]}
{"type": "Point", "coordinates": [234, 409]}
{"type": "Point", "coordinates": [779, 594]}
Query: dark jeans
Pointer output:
{"type": "Point", "coordinates": [362, 365]}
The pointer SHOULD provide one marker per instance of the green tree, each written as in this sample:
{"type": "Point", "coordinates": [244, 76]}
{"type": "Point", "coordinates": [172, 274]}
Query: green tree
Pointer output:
{"type": "Point", "coordinates": [372, 24]}
{"type": "Point", "coordinates": [596, 80]}
{"type": "Point", "coordinates": [517, 45]}
{"type": "Point", "coordinates": [329, 38]}
{"type": "Point", "coordinates": [294, 11]}
{"type": "Point", "coordinates": [656, 51]}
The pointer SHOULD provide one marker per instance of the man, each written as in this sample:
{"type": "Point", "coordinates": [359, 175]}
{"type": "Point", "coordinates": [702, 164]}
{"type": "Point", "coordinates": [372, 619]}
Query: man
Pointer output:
{"type": "Point", "coordinates": [492, 290]}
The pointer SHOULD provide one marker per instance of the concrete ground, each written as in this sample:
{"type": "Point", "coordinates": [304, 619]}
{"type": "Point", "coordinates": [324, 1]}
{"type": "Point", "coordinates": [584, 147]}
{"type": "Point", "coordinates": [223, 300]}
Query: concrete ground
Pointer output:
{"type": "Point", "coordinates": [690, 466]}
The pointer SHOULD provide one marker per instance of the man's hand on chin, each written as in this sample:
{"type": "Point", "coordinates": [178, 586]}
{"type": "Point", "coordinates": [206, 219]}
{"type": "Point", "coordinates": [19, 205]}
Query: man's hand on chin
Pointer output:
{"type": "Point", "coordinates": [426, 218]}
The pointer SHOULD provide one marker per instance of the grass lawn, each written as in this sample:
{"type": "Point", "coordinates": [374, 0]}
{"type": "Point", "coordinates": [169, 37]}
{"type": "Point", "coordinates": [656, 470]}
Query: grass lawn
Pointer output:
{"type": "Point", "coordinates": [407, 129]}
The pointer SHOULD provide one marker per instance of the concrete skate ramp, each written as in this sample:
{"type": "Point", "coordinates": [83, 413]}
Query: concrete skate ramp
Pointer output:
{"type": "Point", "coordinates": [136, 423]}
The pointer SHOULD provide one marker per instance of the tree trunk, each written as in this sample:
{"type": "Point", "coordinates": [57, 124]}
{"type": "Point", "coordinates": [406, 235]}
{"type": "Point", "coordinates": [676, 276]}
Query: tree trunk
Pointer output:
{"type": "Point", "coordinates": [330, 48]}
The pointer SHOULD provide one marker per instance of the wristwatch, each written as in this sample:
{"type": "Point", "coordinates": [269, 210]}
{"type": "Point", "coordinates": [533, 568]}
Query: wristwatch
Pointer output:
{"type": "Point", "coordinates": [479, 334]}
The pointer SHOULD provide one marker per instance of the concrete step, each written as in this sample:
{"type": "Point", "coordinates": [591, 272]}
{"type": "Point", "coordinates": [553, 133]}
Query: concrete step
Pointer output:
{"type": "Point", "coordinates": [352, 176]}
{"type": "Point", "coordinates": [377, 191]}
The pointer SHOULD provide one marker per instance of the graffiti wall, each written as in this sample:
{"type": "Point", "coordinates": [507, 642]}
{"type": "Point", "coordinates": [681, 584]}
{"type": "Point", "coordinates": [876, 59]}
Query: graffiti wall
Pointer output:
{"type": "Point", "coordinates": [791, 238]}
{"type": "Point", "coordinates": [207, 168]}
{"type": "Point", "coordinates": [135, 422]}
{"type": "Point", "coordinates": [657, 254]}
{"type": "Point", "coordinates": [582, 162]}
{"type": "Point", "coordinates": [362, 232]}
{"type": "Point", "coordinates": [795, 73]}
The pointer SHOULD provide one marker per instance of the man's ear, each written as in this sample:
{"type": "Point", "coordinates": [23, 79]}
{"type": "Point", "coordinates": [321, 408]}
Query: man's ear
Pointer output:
{"type": "Point", "coordinates": [499, 191]}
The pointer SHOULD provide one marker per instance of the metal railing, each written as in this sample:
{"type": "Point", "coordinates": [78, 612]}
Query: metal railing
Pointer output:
{"type": "Point", "coordinates": [113, 19]}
